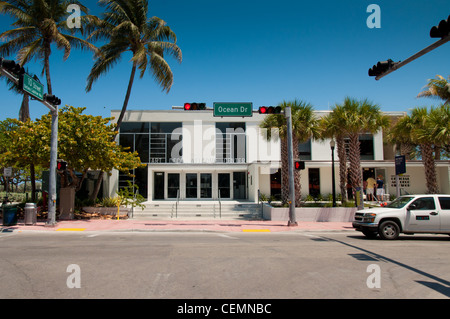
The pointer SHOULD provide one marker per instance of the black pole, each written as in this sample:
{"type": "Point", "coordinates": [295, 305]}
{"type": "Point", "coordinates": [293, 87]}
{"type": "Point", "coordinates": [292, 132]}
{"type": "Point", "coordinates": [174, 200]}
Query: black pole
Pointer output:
{"type": "Point", "coordinates": [332, 173]}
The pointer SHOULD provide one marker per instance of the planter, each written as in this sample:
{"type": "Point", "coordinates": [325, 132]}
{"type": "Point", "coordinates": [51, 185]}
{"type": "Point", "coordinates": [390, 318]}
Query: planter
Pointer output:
{"type": "Point", "coordinates": [310, 214]}
{"type": "Point", "coordinates": [106, 210]}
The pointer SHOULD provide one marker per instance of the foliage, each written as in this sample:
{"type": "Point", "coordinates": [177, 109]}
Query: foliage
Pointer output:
{"type": "Point", "coordinates": [128, 196]}
{"type": "Point", "coordinates": [126, 26]}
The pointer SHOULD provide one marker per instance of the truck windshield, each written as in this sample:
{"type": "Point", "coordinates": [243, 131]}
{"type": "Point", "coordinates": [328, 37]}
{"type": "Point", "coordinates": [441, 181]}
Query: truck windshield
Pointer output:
{"type": "Point", "coordinates": [400, 202]}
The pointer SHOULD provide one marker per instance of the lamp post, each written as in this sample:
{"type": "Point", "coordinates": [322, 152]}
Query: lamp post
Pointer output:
{"type": "Point", "coordinates": [332, 145]}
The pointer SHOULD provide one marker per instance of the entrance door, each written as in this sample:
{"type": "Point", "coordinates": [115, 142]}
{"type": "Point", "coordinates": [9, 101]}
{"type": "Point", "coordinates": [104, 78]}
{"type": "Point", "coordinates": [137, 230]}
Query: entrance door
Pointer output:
{"type": "Point", "coordinates": [158, 185]}
{"type": "Point", "coordinates": [224, 185]}
{"type": "Point", "coordinates": [205, 185]}
{"type": "Point", "coordinates": [239, 185]}
{"type": "Point", "coordinates": [173, 187]}
{"type": "Point", "coordinates": [191, 185]}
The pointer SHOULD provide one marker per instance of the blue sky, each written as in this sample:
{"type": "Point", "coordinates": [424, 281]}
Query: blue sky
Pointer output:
{"type": "Point", "coordinates": [264, 52]}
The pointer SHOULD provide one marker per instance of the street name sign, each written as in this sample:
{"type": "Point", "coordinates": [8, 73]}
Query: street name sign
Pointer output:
{"type": "Point", "coordinates": [32, 87]}
{"type": "Point", "coordinates": [233, 109]}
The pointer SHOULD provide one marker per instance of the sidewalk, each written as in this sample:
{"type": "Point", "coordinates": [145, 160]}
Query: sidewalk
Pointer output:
{"type": "Point", "coordinates": [178, 225]}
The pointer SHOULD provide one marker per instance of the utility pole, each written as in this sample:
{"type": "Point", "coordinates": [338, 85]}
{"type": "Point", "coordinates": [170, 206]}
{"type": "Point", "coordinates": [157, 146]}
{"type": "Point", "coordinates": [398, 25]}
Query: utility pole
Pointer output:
{"type": "Point", "coordinates": [292, 217]}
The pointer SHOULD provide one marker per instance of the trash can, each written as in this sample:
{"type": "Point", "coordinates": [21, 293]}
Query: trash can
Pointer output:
{"type": "Point", "coordinates": [9, 215]}
{"type": "Point", "coordinates": [30, 214]}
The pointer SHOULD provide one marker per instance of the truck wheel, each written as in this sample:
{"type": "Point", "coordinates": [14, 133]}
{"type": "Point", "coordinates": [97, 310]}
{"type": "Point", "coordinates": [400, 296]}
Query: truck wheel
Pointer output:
{"type": "Point", "coordinates": [370, 234]}
{"type": "Point", "coordinates": [389, 230]}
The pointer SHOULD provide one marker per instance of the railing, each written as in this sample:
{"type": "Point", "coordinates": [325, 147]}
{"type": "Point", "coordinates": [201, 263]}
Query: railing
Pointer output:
{"type": "Point", "coordinates": [220, 205]}
{"type": "Point", "coordinates": [176, 205]}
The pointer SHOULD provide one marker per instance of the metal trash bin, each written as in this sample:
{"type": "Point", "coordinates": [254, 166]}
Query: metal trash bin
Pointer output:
{"type": "Point", "coordinates": [30, 214]}
{"type": "Point", "coordinates": [9, 215]}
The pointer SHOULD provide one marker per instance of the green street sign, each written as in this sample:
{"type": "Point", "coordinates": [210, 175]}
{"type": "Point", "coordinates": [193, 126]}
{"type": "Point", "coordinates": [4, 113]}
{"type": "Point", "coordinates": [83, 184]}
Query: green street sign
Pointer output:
{"type": "Point", "coordinates": [233, 109]}
{"type": "Point", "coordinates": [31, 86]}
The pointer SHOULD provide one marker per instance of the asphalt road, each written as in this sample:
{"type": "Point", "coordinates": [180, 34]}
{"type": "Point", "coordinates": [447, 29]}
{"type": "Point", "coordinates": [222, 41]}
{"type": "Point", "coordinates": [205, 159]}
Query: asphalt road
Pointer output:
{"type": "Point", "coordinates": [186, 265]}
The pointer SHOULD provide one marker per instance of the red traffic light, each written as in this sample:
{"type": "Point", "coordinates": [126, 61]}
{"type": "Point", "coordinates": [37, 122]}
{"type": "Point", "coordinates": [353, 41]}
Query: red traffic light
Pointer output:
{"type": "Point", "coordinates": [298, 165]}
{"type": "Point", "coordinates": [61, 165]}
{"type": "Point", "coordinates": [269, 110]}
{"type": "Point", "coordinates": [194, 106]}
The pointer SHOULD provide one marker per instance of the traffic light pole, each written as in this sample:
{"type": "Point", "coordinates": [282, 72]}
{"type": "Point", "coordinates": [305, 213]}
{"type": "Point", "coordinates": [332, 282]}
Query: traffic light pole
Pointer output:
{"type": "Point", "coordinates": [51, 219]}
{"type": "Point", "coordinates": [292, 218]}
{"type": "Point", "coordinates": [398, 65]}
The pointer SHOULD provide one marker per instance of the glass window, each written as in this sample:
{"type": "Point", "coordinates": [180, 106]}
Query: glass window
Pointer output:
{"type": "Point", "coordinates": [444, 202]}
{"type": "Point", "coordinates": [141, 143]}
{"type": "Point", "coordinates": [424, 203]}
{"type": "Point", "coordinates": [230, 142]}
{"type": "Point", "coordinates": [304, 150]}
{"type": "Point", "coordinates": [134, 127]}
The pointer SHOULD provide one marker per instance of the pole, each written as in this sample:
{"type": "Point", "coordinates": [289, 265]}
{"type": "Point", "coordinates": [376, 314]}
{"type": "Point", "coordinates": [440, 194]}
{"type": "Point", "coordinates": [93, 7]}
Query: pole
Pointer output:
{"type": "Point", "coordinates": [51, 218]}
{"type": "Point", "coordinates": [429, 48]}
{"type": "Point", "coordinates": [332, 173]}
{"type": "Point", "coordinates": [292, 219]}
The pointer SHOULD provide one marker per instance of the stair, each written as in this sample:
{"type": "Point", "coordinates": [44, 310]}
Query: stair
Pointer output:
{"type": "Point", "coordinates": [198, 210]}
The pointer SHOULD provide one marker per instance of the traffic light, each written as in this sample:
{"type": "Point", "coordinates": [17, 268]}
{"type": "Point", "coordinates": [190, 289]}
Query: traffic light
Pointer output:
{"type": "Point", "coordinates": [52, 99]}
{"type": "Point", "coordinates": [61, 165]}
{"type": "Point", "coordinates": [269, 110]}
{"type": "Point", "coordinates": [194, 106]}
{"type": "Point", "coordinates": [12, 67]}
{"type": "Point", "coordinates": [381, 67]}
{"type": "Point", "coordinates": [298, 165]}
{"type": "Point", "coordinates": [442, 30]}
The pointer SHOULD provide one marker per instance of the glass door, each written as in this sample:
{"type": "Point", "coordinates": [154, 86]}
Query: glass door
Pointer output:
{"type": "Point", "coordinates": [191, 185]}
{"type": "Point", "coordinates": [173, 185]}
{"type": "Point", "coordinates": [205, 185]}
{"type": "Point", "coordinates": [224, 185]}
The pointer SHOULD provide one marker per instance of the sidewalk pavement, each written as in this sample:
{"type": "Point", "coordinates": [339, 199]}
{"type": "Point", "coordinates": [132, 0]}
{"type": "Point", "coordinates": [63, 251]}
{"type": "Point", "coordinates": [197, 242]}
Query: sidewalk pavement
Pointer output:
{"type": "Point", "coordinates": [178, 225]}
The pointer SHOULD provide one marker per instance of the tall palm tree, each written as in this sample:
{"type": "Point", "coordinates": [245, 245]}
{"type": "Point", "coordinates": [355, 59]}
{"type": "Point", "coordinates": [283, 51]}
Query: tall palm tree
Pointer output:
{"type": "Point", "coordinates": [438, 88]}
{"type": "Point", "coordinates": [361, 116]}
{"type": "Point", "coordinates": [126, 27]}
{"type": "Point", "coordinates": [418, 126]}
{"type": "Point", "coordinates": [304, 126]}
{"type": "Point", "coordinates": [39, 24]}
{"type": "Point", "coordinates": [332, 127]}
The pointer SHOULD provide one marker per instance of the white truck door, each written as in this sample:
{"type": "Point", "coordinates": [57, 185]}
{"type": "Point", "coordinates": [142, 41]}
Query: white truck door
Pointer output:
{"type": "Point", "coordinates": [444, 203]}
{"type": "Point", "coordinates": [422, 215]}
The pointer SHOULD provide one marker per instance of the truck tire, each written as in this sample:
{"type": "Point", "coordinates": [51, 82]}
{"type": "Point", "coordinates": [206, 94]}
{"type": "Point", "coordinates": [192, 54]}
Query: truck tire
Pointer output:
{"type": "Point", "coordinates": [389, 230]}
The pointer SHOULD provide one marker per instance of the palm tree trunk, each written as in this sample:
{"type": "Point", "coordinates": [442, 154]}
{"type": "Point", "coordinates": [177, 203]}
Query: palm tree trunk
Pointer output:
{"type": "Point", "coordinates": [355, 161]}
{"type": "Point", "coordinates": [127, 97]}
{"type": "Point", "coordinates": [340, 143]}
{"type": "Point", "coordinates": [24, 112]}
{"type": "Point", "coordinates": [430, 168]}
{"type": "Point", "coordinates": [47, 67]}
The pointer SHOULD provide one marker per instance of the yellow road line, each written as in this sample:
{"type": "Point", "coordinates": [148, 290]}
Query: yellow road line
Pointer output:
{"type": "Point", "coordinates": [256, 230]}
{"type": "Point", "coordinates": [70, 229]}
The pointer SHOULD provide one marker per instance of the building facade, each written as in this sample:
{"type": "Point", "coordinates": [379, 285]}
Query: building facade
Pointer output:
{"type": "Point", "coordinates": [194, 155]}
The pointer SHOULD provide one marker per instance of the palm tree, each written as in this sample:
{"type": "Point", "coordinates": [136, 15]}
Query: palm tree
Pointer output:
{"type": "Point", "coordinates": [331, 127]}
{"type": "Point", "coordinates": [418, 126]}
{"type": "Point", "coordinates": [438, 88]}
{"type": "Point", "coordinates": [127, 28]}
{"type": "Point", "coordinates": [39, 24]}
{"type": "Point", "coordinates": [360, 117]}
{"type": "Point", "coordinates": [304, 126]}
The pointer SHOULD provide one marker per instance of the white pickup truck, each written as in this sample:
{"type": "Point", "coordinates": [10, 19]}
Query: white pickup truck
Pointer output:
{"type": "Point", "coordinates": [407, 214]}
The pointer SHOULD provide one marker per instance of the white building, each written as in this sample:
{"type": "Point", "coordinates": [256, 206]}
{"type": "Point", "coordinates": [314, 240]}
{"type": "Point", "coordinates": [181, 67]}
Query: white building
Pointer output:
{"type": "Point", "coordinates": [192, 155]}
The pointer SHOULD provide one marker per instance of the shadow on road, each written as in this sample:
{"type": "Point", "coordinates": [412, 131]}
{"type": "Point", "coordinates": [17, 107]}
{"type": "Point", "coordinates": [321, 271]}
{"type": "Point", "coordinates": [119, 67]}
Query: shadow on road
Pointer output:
{"type": "Point", "coordinates": [440, 285]}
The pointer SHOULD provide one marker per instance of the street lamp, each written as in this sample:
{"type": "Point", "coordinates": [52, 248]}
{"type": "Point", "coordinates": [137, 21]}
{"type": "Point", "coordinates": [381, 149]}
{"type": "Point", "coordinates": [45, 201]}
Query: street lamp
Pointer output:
{"type": "Point", "coordinates": [332, 145]}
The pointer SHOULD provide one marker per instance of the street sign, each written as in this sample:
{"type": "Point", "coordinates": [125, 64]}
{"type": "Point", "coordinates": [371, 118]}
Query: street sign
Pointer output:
{"type": "Point", "coordinates": [31, 86]}
{"type": "Point", "coordinates": [7, 171]}
{"type": "Point", "coordinates": [233, 109]}
{"type": "Point", "coordinates": [400, 165]}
